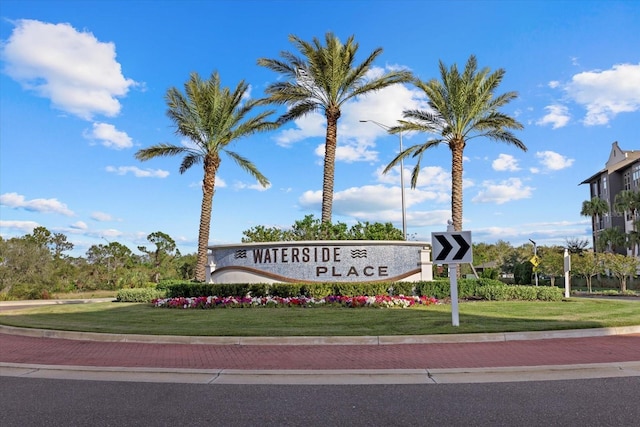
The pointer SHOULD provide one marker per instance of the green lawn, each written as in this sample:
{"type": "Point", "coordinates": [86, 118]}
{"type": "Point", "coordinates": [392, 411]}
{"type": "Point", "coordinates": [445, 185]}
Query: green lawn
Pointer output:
{"type": "Point", "coordinates": [130, 318]}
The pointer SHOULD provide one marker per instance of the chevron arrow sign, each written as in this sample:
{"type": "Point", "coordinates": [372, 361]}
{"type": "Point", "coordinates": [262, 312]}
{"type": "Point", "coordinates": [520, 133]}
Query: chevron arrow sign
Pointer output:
{"type": "Point", "coordinates": [452, 247]}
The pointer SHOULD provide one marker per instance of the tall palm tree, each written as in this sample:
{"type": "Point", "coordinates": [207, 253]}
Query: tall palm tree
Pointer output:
{"type": "Point", "coordinates": [610, 239]}
{"type": "Point", "coordinates": [211, 117]}
{"type": "Point", "coordinates": [628, 201]}
{"type": "Point", "coordinates": [594, 208]}
{"type": "Point", "coordinates": [461, 107]}
{"type": "Point", "coordinates": [323, 78]}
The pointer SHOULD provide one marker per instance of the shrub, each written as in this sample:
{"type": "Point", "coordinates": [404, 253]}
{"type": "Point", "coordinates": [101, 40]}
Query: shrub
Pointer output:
{"type": "Point", "coordinates": [402, 288]}
{"type": "Point", "coordinates": [549, 293]}
{"type": "Point", "coordinates": [493, 292]}
{"type": "Point", "coordinates": [139, 294]}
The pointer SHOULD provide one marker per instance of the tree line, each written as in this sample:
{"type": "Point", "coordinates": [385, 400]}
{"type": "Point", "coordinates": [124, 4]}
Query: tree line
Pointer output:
{"type": "Point", "coordinates": [36, 266]}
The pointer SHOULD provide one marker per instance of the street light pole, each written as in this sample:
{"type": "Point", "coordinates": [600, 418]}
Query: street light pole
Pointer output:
{"type": "Point", "coordinates": [404, 209]}
{"type": "Point", "coordinates": [535, 254]}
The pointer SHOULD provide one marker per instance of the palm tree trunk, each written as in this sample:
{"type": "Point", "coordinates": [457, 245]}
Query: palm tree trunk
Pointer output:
{"type": "Point", "coordinates": [329, 163]}
{"type": "Point", "coordinates": [456, 184]}
{"type": "Point", "coordinates": [211, 164]}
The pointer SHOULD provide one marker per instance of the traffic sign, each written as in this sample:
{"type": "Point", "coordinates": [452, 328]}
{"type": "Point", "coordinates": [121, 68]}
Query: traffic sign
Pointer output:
{"type": "Point", "coordinates": [535, 260]}
{"type": "Point", "coordinates": [452, 247]}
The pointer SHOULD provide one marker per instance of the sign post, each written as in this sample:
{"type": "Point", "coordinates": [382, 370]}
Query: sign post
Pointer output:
{"type": "Point", "coordinates": [443, 251]}
{"type": "Point", "coordinates": [567, 273]}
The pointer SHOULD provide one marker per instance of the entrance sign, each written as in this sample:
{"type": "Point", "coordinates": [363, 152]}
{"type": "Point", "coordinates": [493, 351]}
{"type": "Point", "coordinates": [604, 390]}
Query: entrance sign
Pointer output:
{"type": "Point", "coordinates": [322, 261]}
{"type": "Point", "coordinates": [452, 247]}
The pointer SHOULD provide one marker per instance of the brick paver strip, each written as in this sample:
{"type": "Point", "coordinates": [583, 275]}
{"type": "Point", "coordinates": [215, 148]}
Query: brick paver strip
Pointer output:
{"type": "Point", "coordinates": [559, 351]}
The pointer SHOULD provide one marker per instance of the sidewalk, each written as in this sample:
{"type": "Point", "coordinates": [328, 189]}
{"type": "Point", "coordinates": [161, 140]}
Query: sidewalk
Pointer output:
{"type": "Point", "coordinates": [591, 353]}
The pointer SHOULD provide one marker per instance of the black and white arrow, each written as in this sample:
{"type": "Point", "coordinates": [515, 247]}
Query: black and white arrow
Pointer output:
{"type": "Point", "coordinates": [445, 243]}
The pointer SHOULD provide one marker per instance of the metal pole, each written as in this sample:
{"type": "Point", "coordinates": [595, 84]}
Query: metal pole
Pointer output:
{"type": "Point", "coordinates": [402, 196]}
{"type": "Point", "coordinates": [453, 281]}
{"type": "Point", "coordinates": [535, 254]}
{"type": "Point", "coordinates": [404, 209]}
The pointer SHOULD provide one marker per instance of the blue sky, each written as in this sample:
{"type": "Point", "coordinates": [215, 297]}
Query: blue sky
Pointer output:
{"type": "Point", "coordinates": [83, 84]}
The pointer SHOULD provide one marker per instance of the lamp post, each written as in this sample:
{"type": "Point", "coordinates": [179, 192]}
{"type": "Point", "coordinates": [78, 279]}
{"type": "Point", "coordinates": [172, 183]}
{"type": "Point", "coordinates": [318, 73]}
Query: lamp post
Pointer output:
{"type": "Point", "coordinates": [535, 255]}
{"type": "Point", "coordinates": [404, 209]}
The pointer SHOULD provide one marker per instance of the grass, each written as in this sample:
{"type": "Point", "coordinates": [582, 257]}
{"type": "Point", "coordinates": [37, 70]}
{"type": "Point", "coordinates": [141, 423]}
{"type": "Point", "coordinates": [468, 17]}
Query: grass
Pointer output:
{"type": "Point", "coordinates": [475, 317]}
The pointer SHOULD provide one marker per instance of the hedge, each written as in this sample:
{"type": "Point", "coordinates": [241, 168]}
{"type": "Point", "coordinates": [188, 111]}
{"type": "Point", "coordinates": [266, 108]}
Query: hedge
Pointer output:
{"type": "Point", "coordinates": [483, 288]}
{"type": "Point", "coordinates": [139, 294]}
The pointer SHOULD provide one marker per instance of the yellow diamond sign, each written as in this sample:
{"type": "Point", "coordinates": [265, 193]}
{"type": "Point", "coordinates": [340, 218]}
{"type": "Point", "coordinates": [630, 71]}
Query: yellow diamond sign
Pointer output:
{"type": "Point", "coordinates": [535, 260]}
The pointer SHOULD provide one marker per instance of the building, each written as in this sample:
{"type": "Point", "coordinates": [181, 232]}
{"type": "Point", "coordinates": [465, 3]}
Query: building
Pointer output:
{"type": "Point", "coordinates": [621, 172]}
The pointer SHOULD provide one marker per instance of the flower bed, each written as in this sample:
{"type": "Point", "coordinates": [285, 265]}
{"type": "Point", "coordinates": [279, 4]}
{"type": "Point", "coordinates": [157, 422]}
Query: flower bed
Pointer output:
{"type": "Point", "coordinates": [209, 302]}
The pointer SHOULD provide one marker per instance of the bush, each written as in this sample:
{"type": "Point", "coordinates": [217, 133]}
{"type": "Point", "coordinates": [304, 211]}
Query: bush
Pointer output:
{"type": "Point", "coordinates": [402, 288]}
{"type": "Point", "coordinates": [139, 294]}
{"type": "Point", "coordinates": [549, 294]}
{"type": "Point", "coordinates": [493, 292]}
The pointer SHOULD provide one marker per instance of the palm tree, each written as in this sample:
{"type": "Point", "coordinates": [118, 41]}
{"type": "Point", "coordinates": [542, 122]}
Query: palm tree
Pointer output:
{"type": "Point", "coordinates": [594, 208]}
{"type": "Point", "coordinates": [323, 78]}
{"type": "Point", "coordinates": [211, 117]}
{"type": "Point", "coordinates": [610, 239]}
{"type": "Point", "coordinates": [629, 201]}
{"type": "Point", "coordinates": [462, 107]}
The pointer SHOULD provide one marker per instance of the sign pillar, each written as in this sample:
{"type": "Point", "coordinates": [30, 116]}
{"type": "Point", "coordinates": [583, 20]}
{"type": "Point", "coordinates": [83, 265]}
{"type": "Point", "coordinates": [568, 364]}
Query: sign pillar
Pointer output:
{"type": "Point", "coordinates": [567, 273]}
{"type": "Point", "coordinates": [453, 280]}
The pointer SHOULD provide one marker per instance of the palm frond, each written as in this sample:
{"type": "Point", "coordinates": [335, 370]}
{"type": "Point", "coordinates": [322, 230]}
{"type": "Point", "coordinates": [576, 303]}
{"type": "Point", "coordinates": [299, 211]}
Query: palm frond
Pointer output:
{"type": "Point", "coordinates": [247, 166]}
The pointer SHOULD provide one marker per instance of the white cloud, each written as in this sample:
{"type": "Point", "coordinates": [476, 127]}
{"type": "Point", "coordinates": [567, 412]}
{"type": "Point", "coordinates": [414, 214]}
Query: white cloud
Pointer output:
{"type": "Point", "coordinates": [109, 136]}
{"type": "Point", "coordinates": [137, 172]}
{"type": "Point", "coordinates": [256, 186]}
{"type": "Point", "coordinates": [101, 216]}
{"type": "Point", "coordinates": [554, 161]}
{"type": "Point", "coordinates": [554, 84]}
{"type": "Point", "coordinates": [351, 151]}
{"type": "Point", "coordinates": [17, 201]}
{"type": "Point", "coordinates": [557, 116]}
{"type": "Point", "coordinates": [606, 93]}
{"type": "Point", "coordinates": [372, 202]}
{"type": "Point", "coordinates": [505, 162]}
{"type": "Point", "coordinates": [22, 226]}
{"type": "Point", "coordinates": [79, 225]}
{"type": "Point", "coordinates": [502, 192]}
{"type": "Point", "coordinates": [76, 71]}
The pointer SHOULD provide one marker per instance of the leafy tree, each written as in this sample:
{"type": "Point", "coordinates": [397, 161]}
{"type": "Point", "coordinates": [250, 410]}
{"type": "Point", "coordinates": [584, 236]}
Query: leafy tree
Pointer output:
{"type": "Point", "coordinates": [594, 208]}
{"type": "Point", "coordinates": [26, 268]}
{"type": "Point", "coordinates": [622, 267]}
{"type": "Point", "coordinates": [552, 264]}
{"type": "Point", "coordinates": [587, 265]}
{"type": "Point", "coordinates": [461, 107]}
{"type": "Point", "coordinates": [163, 253]}
{"type": "Point", "coordinates": [323, 78]}
{"type": "Point", "coordinates": [375, 231]}
{"type": "Point", "coordinates": [108, 263]}
{"type": "Point", "coordinates": [577, 246]}
{"type": "Point", "coordinates": [211, 117]}
{"type": "Point", "coordinates": [260, 233]}
{"type": "Point", "coordinates": [59, 244]}
{"type": "Point", "coordinates": [310, 228]}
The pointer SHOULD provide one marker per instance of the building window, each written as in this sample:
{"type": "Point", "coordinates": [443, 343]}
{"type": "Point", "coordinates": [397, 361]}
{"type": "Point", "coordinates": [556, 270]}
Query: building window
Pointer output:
{"type": "Point", "coordinates": [636, 176]}
{"type": "Point", "coordinates": [626, 180]}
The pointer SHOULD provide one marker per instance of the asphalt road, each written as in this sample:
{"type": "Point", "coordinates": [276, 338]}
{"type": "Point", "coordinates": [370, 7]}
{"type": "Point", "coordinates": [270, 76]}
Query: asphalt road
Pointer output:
{"type": "Point", "coordinates": [26, 402]}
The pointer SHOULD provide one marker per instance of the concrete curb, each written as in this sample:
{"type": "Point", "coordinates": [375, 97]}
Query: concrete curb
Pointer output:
{"type": "Point", "coordinates": [324, 377]}
{"type": "Point", "coordinates": [316, 340]}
